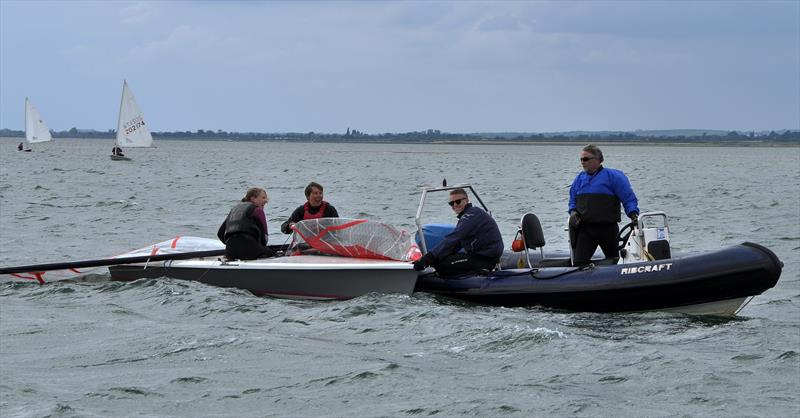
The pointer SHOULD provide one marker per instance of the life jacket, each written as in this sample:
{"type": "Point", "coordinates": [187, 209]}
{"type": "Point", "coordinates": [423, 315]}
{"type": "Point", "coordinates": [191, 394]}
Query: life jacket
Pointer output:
{"type": "Point", "coordinates": [598, 208]}
{"type": "Point", "coordinates": [241, 221]}
{"type": "Point", "coordinates": [319, 214]}
{"type": "Point", "coordinates": [598, 197]}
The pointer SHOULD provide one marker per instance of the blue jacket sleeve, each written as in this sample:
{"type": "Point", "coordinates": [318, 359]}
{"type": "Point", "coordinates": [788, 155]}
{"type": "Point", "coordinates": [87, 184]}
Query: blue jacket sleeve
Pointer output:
{"type": "Point", "coordinates": [573, 191]}
{"type": "Point", "coordinates": [624, 191]}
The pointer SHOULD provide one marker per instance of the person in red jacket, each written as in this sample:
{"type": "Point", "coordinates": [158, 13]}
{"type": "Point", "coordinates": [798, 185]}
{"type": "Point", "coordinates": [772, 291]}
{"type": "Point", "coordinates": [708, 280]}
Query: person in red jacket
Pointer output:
{"type": "Point", "coordinates": [314, 208]}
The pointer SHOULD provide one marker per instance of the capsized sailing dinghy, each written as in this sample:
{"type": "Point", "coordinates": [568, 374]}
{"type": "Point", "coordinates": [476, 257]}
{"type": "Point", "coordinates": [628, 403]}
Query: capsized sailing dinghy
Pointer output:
{"type": "Point", "coordinates": [132, 132]}
{"type": "Point", "coordinates": [331, 258]}
{"type": "Point", "coordinates": [646, 277]}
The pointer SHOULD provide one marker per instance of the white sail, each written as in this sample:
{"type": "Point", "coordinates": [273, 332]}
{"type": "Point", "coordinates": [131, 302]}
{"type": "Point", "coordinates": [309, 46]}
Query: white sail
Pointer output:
{"type": "Point", "coordinates": [35, 128]}
{"type": "Point", "coordinates": [131, 128]}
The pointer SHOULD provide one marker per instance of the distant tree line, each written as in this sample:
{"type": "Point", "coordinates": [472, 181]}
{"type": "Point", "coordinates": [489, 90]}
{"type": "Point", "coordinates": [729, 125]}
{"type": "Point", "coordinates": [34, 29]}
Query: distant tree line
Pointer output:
{"type": "Point", "coordinates": [435, 135]}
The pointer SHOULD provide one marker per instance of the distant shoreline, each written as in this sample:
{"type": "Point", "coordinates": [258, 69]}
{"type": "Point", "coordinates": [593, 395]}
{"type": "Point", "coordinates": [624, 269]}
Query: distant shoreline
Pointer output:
{"type": "Point", "coordinates": [566, 142]}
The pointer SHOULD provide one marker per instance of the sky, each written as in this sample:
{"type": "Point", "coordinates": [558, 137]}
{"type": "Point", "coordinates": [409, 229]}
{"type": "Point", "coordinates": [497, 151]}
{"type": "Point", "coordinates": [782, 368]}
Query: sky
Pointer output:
{"type": "Point", "coordinates": [401, 66]}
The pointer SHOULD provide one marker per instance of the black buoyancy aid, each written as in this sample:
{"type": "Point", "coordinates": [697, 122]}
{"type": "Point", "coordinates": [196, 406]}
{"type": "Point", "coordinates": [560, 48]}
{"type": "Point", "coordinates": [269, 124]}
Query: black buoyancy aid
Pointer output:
{"type": "Point", "coordinates": [597, 208]}
{"type": "Point", "coordinates": [241, 221]}
{"type": "Point", "coordinates": [319, 214]}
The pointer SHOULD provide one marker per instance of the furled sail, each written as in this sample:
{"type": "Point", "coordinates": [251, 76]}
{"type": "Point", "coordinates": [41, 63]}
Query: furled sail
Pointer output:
{"type": "Point", "coordinates": [177, 245]}
{"type": "Point", "coordinates": [131, 128]}
{"type": "Point", "coordinates": [35, 128]}
{"type": "Point", "coordinates": [358, 238]}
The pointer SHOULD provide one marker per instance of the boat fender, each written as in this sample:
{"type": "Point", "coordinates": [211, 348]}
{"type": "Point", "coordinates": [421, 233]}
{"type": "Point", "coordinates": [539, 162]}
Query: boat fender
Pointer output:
{"type": "Point", "coordinates": [517, 245]}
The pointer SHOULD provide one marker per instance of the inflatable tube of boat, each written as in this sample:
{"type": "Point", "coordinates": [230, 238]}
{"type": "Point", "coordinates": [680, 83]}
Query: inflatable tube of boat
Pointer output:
{"type": "Point", "coordinates": [731, 273]}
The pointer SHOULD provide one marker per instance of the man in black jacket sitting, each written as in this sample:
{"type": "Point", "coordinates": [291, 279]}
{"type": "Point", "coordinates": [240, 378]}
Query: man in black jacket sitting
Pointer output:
{"type": "Point", "coordinates": [476, 232]}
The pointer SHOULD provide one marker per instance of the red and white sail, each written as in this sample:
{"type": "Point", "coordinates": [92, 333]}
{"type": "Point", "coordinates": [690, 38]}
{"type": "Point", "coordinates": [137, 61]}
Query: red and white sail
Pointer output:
{"type": "Point", "coordinates": [357, 238]}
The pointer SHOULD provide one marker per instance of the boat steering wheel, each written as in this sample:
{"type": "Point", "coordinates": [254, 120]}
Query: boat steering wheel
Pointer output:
{"type": "Point", "coordinates": [622, 237]}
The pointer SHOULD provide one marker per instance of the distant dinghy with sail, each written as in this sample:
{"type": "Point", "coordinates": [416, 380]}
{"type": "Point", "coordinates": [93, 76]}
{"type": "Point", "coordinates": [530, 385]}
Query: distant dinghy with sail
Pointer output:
{"type": "Point", "coordinates": [36, 130]}
{"type": "Point", "coordinates": [132, 132]}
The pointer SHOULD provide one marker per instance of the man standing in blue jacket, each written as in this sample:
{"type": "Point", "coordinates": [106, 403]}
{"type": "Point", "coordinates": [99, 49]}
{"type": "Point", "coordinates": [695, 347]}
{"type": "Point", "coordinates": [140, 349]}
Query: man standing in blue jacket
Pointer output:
{"type": "Point", "coordinates": [476, 232]}
{"type": "Point", "coordinates": [594, 207]}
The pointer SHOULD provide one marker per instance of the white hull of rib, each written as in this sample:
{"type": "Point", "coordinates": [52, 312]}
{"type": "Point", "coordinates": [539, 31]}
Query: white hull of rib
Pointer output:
{"type": "Point", "coordinates": [728, 307]}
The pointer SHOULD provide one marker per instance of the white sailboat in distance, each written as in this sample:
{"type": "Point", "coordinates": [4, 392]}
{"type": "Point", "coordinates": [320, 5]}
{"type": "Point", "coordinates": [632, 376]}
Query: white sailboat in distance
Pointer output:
{"type": "Point", "coordinates": [132, 132]}
{"type": "Point", "coordinates": [35, 128]}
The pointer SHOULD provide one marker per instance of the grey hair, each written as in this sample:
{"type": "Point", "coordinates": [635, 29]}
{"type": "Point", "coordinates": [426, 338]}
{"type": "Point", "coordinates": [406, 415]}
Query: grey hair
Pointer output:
{"type": "Point", "coordinates": [594, 150]}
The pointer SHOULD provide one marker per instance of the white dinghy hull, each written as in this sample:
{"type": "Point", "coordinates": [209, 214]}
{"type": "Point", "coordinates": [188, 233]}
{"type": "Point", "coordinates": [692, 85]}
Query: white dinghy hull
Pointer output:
{"type": "Point", "coordinates": [299, 277]}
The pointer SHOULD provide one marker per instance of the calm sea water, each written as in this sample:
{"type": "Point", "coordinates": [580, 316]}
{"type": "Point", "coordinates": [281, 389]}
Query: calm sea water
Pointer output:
{"type": "Point", "coordinates": [168, 348]}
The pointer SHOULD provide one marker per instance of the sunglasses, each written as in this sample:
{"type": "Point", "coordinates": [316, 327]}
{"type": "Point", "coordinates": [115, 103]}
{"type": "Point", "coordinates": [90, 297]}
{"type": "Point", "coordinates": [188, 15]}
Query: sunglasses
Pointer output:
{"type": "Point", "coordinates": [585, 159]}
{"type": "Point", "coordinates": [455, 202]}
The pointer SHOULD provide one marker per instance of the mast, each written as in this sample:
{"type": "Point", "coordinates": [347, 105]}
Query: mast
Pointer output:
{"type": "Point", "coordinates": [119, 116]}
{"type": "Point", "coordinates": [26, 118]}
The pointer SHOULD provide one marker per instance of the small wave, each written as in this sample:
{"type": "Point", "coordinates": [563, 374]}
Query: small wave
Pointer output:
{"type": "Point", "coordinates": [391, 366]}
{"type": "Point", "coordinates": [422, 411]}
{"type": "Point", "coordinates": [295, 321]}
{"type": "Point", "coordinates": [364, 376]}
{"type": "Point", "coordinates": [123, 392]}
{"type": "Point", "coordinates": [612, 379]}
{"type": "Point", "coordinates": [115, 361]}
{"type": "Point", "coordinates": [780, 301]}
{"type": "Point", "coordinates": [12, 287]}
{"type": "Point", "coordinates": [747, 357]}
{"type": "Point", "coordinates": [28, 332]}
{"type": "Point", "coordinates": [132, 391]}
{"type": "Point", "coordinates": [48, 290]}
{"type": "Point", "coordinates": [507, 409]}
{"type": "Point", "coordinates": [62, 410]}
{"type": "Point", "coordinates": [189, 380]}
{"type": "Point", "coordinates": [195, 345]}
{"type": "Point", "coordinates": [519, 338]}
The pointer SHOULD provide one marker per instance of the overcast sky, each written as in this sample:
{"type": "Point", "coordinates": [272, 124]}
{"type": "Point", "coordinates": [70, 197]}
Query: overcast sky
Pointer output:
{"type": "Point", "coordinates": [457, 66]}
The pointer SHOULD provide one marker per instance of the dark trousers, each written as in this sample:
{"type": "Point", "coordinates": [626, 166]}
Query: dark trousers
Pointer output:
{"type": "Point", "coordinates": [245, 247]}
{"type": "Point", "coordinates": [589, 236]}
{"type": "Point", "coordinates": [461, 264]}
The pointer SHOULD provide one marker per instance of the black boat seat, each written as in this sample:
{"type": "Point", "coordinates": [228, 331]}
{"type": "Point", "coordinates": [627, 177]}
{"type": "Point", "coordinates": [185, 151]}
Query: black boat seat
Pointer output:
{"type": "Point", "coordinates": [659, 249]}
{"type": "Point", "coordinates": [532, 237]}
{"type": "Point", "coordinates": [532, 234]}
